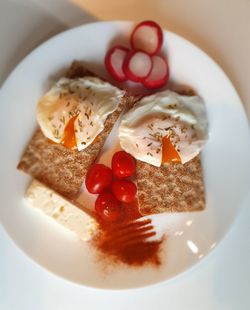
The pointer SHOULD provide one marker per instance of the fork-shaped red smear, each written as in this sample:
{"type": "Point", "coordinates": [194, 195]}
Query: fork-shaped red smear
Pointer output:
{"type": "Point", "coordinates": [128, 241]}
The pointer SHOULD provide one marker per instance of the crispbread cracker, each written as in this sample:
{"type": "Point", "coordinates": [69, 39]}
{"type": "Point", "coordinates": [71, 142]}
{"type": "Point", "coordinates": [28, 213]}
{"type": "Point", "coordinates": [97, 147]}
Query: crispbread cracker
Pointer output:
{"type": "Point", "coordinates": [58, 167]}
{"type": "Point", "coordinates": [170, 188]}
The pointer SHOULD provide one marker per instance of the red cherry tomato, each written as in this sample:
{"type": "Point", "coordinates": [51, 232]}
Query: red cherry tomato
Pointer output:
{"type": "Point", "coordinates": [123, 165]}
{"type": "Point", "coordinates": [108, 207]}
{"type": "Point", "coordinates": [98, 178]}
{"type": "Point", "coordinates": [124, 190]}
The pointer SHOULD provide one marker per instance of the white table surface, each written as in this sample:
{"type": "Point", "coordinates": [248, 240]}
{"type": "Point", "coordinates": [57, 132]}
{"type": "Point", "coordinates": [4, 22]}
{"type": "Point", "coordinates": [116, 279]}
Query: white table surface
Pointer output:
{"type": "Point", "coordinates": [221, 281]}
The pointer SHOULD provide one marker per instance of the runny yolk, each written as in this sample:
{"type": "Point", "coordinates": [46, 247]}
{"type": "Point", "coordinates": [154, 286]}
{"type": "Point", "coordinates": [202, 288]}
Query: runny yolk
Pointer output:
{"type": "Point", "coordinates": [69, 139]}
{"type": "Point", "coordinates": [169, 153]}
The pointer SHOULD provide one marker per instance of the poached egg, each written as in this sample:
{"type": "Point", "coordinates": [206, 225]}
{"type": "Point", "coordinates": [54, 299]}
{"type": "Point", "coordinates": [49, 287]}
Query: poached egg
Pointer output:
{"type": "Point", "coordinates": [73, 111]}
{"type": "Point", "coordinates": [165, 127]}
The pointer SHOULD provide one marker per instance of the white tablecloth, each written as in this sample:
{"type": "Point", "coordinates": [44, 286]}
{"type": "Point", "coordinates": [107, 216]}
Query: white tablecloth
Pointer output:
{"type": "Point", "coordinates": [221, 281]}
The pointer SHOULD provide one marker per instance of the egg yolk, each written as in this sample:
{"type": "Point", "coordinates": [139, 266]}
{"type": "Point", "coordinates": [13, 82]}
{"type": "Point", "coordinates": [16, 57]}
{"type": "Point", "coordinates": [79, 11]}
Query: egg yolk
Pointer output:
{"type": "Point", "coordinates": [169, 153]}
{"type": "Point", "coordinates": [69, 139]}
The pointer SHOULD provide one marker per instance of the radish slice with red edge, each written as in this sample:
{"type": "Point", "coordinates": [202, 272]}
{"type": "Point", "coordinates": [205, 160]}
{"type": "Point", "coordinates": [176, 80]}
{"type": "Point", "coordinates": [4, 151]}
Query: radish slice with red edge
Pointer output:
{"type": "Point", "coordinates": [114, 62]}
{"type": "Point", "coordinates": [147, 36]}
{"type": "Point", "coordinates": [137, 66]}
{"type": "Point", "coordinates": [159, 74]}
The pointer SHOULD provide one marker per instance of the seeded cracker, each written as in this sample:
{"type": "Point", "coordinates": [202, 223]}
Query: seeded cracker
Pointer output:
{"type": "Point", "coordinates": [58, 167]}
{"type": "Point", "coordinates": [172, 187]}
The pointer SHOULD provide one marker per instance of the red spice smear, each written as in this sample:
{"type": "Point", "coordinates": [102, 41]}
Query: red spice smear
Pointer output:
{"type": "Point", "coordinates": [121, 242]}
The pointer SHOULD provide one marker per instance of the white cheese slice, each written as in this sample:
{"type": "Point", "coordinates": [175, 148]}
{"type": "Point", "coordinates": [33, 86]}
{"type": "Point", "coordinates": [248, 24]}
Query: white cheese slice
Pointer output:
{"type": "Point", "coordinates": [61, 210]}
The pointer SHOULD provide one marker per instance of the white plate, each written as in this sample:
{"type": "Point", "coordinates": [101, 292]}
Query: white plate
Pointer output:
{"type": "Point", "coordinates": [191, 236]}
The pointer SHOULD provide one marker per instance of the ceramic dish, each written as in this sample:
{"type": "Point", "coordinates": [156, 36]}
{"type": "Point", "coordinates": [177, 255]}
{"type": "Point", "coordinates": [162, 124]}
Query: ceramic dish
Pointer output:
{"type": "Point", "coordinates": [191, 236]}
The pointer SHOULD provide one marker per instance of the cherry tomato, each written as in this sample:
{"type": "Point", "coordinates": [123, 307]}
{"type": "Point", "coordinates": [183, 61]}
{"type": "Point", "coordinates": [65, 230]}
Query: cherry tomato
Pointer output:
{"type": "Point", "coordinates": [108, 207]}
{"type": "Point", "coordinates": [123, 165]}
{"type": "Point", "coordinates": [98, 178]}
{"type": "Point", "coordinates": [124, 190]}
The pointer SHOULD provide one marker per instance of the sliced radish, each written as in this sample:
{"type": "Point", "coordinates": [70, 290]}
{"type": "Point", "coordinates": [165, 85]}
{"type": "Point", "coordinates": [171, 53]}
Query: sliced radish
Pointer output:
{"type": "Point", "coordinates": [137, 66]}
{"type": "Point", "coordinates": [114, 61]}
{"type": "Point", "coordinates": [159, 74]}
{"type": "Point", "coordinates": [147, 36]}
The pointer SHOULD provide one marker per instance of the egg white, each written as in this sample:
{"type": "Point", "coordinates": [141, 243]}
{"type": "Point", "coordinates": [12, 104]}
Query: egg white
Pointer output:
{"type": "Point", "coordinates": [89, 98]}
{"type": "Point", "coordinates": [181, 118]}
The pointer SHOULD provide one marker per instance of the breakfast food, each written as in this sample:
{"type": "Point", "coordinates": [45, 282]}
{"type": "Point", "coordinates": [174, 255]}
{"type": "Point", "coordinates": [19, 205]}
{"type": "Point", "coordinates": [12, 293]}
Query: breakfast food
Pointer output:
{"type": "Point", "coordinates": [165, 132]}
{"type": "Point", "coordinates": [55, 163]}
{"type": "Point", "coordinates": [137, 66]}
{"type": "Point", "coordinates": [158, 168]}
{"type": "Point", "coordinates": [164, 127]}
{"type": "Point", "coordinates": [159, 75]}
{"type": "Point", "coordinates": [114, 62]}
{"type": "Point", "coordinates": [62, 211]}
{"type": "Point", "coordinates": [108, 208]}
{"type": "Point", "coordinates": [98, 178]}
{"type": "Point", "coordinates": [148, 37]}
{"type": "Point", "coordinates": [124, 190]}
{"type": "Point", "coordinates": [140, 64]}
{"type": "Point", "coordinates": [113, 186]}
{"type": "Point", "coordinates": [123, 165]}
{"type": "Point", "coordinates": [172, 187]}
{"type": "Point", "coordinates": [73, 111]}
